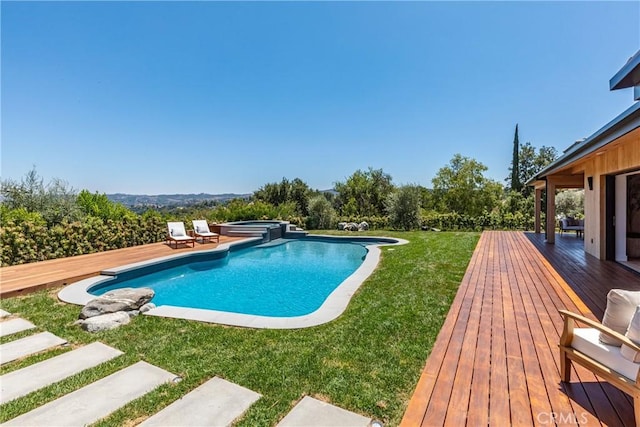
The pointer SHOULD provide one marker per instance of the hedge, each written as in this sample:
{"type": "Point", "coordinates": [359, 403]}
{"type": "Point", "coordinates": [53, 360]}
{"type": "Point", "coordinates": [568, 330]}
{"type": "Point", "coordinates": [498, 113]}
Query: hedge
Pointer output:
{"type": "Point", "coordinates": [28, 241]}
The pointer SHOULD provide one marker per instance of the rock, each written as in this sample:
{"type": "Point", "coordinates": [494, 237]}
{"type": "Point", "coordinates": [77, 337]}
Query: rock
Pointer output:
{"type": "Point", "coordinates": [148, 306]}
{"type": "Point", "coordinates": [133, 313]}
{"type": "Point", "coordinates": [342, 225]}
{"type": "Point", "coordinates": [105, 322]}
{"type": "Point", "coordinates": [352, 226]}
{"type": "Point", "coordinates": [124, 299]}
{"type": "Point", "coordinates": [363, 226]}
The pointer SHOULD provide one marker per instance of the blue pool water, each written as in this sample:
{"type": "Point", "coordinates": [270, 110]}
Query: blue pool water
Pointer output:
{"type": "Point", "coordinates": [290, 279]}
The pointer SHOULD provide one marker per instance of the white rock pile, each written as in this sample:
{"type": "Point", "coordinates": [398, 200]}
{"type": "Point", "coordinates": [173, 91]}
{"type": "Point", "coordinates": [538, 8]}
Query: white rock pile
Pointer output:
{"type": "Point", "coordinates": [115, 308]}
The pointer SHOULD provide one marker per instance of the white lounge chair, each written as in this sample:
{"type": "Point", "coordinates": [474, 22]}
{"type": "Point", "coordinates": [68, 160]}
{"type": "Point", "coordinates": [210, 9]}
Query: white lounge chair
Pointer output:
{"type": "Point", "coordinates": [201, 230]}
{"type": "Point", "coordinates": [177, 234]}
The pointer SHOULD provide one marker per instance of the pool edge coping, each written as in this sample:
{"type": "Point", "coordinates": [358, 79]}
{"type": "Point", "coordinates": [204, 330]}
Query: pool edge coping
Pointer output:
{"type": "Point", "coordinates": [332, 307]}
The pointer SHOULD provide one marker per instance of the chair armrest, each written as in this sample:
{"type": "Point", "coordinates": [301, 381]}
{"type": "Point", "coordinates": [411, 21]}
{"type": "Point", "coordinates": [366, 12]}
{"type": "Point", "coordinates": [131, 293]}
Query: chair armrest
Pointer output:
{"type": "Point", "coordinates": [600, 327]}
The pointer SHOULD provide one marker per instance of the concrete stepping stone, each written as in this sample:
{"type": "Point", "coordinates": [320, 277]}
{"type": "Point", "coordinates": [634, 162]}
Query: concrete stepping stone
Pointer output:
{"type": "Point", "coordinates": [215, 403]}
{"type": "Point", "coordinates": [97, 400]}
{"type": "Point", "coordinates": [311, 412]}
{"type": "Point", "coordinates": [13, 326]}
{"type": "Point", "coordinates": [29, 345]}
{"type": "Point", "coordinates": [23, 381]}
{"type": "Point", "coordinates": [4, 314]}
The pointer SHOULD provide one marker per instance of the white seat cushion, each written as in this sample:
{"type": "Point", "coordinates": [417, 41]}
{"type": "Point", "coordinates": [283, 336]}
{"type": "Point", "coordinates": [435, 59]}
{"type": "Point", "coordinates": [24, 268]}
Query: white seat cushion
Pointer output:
{"type": "Point", "coordinates": [587, 341]}
{"type": "Point", "coordinates": [182, 238]}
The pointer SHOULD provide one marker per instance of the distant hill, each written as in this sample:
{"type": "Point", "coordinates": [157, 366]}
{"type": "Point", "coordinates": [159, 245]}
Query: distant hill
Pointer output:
{"type": "Point", "coordinates": [163, 200]}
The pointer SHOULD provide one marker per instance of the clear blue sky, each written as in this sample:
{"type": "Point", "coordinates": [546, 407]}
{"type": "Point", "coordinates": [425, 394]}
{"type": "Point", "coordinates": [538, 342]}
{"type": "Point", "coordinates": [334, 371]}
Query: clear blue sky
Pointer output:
{"type": "Point", "coordinates": [174, 97]}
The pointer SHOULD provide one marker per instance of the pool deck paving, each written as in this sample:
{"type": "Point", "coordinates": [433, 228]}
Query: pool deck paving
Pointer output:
{"type": "Point", "coordinates": [97, 400]}
{"type": "Point", "coordinates": [216, 402]}
{"type": "Point", "coordinates": [34, 377]}
{"type": "Point", "coordinates": [13, 326]}
{"type": "Point", "coordinates": [27, 346]}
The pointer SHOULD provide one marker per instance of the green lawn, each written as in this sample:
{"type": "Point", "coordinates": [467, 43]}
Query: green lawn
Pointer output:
{"type": "Point", "coordinates": [368, 360]}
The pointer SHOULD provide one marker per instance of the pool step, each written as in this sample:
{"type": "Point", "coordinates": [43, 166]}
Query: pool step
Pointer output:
{"type": "Point", "coordinates": [97, 400]}
{"type": "Point", "coordinates": [23, 381]}
{"type": "Point", "coordinates": [311, 412]}
{"type": "Point", "coordinates": [216, 402]}
{"type": "Point", "coordinates": [27, 346]}
{"type": "Point", "coordinates": [13, 326]}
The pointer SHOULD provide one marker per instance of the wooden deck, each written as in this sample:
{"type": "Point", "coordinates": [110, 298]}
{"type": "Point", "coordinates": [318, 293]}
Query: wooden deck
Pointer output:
{"type": "Point", "coordinates": [496, 359]}
{"type": "Point", "coordinates": [589, 277]}
{"type": "Point", "coordinates": [25, 278]}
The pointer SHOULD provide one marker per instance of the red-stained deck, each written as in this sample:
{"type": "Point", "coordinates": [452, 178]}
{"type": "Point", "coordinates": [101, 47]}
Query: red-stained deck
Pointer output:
{"type": "Point", "coordinates": [496, 359]}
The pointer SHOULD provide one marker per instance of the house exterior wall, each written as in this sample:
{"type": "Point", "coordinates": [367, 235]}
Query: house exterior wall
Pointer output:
{"type": "Point", "coordinates": [620, 156]}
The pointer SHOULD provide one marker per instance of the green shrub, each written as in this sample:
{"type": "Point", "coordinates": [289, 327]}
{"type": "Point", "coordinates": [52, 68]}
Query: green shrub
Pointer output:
{"type": "Point", "coordinates": [322, 216]}
{"type": "Point", "coordinates": [403, 207]}
{"type": "Point", "coordinates": [25, 241]}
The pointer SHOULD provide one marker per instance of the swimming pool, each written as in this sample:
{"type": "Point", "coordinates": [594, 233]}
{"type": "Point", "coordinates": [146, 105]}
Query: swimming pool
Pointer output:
{"type": "Point", "coordinates": [285, 280]}
{"type": "Point", "coordinates": [282, 284]}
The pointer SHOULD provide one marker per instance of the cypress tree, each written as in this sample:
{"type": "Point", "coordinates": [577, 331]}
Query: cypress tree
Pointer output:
{"type": "Point", "coordinates": [516, 185]}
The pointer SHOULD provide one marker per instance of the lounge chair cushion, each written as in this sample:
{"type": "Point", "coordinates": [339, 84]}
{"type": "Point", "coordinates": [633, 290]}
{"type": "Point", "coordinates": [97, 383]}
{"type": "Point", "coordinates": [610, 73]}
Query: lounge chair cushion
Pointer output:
{"type": "Point", "coordinates": [586, 340]}
{"type": "Point", "coordinates": [634, 335]}
{"type": "Point", "coordinates": [177, 232]}
{"type": "Point", "coordinates": [621, 305]}
{"type": "Point", "coordinates": [202, 229]}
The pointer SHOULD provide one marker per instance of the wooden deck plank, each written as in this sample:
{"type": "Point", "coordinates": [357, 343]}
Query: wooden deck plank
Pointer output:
{"type": "Point", "coordinates": [545, 328]}
{"type": "Point", "coordinates": [437, 408]}
{"type": "Point", "coordinates": [456, 412]}
{"type": "Point", "coordinates": [479, 390]}
{"type": "Point", "coordinates": [427, 380]}
{"type": "Point", "coordinates": [508, 309]}
{"type": "Point", "coordinates": [25, 278]}
{"type": "Point", "coordinates": [528, 400]}
{"type": "Point", "coordinates": [548, 336]}
{"type": "Point", "coordinates": [499, 412]}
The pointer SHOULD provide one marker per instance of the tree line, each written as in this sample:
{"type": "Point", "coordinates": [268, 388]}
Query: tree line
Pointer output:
{"type": "Point", "coordinates": [41, 221]}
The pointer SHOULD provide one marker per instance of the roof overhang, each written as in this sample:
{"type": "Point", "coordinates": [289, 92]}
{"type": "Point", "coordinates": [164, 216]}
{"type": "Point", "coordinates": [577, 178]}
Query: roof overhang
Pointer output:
{"type": "Point", "coordinates": [629, 74]}
{"type": "Point", "coordinates": [621, 125]}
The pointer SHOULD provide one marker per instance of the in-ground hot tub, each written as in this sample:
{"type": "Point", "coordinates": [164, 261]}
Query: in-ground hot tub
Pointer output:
{"type": "Point", "coordinates": [268, 229]}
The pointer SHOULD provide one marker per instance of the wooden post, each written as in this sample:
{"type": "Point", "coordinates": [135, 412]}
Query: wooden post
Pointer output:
{"type": "Point", "coordinates": [538, 199]}
{"type": "Point", "coordinates": [551, 211]}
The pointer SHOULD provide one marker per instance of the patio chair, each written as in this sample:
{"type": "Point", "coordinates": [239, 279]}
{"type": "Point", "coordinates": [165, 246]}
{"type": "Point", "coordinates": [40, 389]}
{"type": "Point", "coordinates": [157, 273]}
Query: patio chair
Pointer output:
{"type": "Point", "coordinates": [572, 224]}
{"type": "Point", "coordinates": [201, 230]}
{"type": "Point", "coordinates": [585, 347]}
{"type": "Point", "coordinates": [177, 234]}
